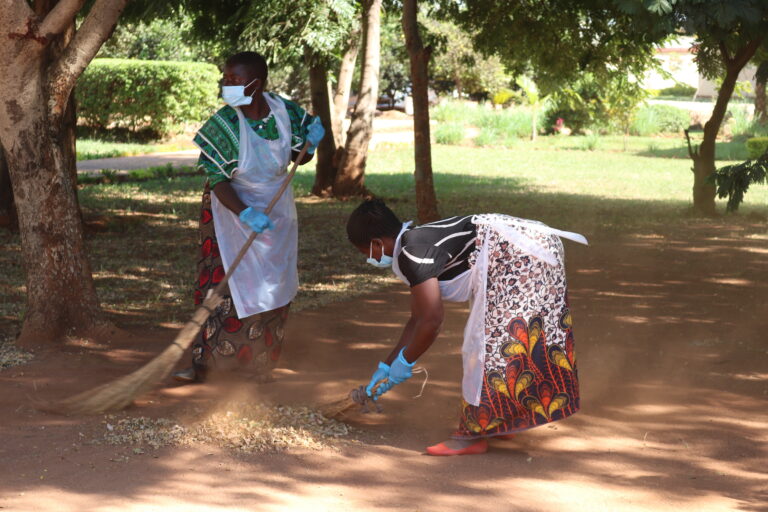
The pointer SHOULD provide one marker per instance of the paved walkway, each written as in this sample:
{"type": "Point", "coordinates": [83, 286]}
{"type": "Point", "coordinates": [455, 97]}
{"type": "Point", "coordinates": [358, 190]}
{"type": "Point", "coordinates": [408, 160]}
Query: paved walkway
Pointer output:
{"type": "Point", "coordinates": [129, 163]}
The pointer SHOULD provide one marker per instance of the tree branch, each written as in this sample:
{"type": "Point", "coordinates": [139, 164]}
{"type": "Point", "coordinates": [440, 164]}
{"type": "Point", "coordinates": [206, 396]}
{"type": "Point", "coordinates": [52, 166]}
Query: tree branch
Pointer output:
{"type": "Point", "coordinates": [746, 52]}
{"type": "Point", "coordinates": [60, 17]}
{"type": "Point", "coordinates": [724, 51]}
{"type": "Point", "coordinates": [65, 71]}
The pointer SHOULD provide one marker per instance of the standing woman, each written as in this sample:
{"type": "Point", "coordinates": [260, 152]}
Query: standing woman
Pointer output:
{"type": "Point", "coordinates": [246, 148]}
{"type": "Point", "coordinates": [518, 358]}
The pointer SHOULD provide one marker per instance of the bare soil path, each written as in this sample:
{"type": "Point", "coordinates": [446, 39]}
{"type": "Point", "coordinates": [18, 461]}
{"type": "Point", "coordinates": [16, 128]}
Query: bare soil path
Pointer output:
{"type": "Point", "coordinates": [673, 361]}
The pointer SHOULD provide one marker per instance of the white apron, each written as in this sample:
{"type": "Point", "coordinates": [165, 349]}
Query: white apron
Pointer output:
{"type": "Point", "coordinates": [471, 286]}
{"type": "Point", "coordinates": [267, 277]}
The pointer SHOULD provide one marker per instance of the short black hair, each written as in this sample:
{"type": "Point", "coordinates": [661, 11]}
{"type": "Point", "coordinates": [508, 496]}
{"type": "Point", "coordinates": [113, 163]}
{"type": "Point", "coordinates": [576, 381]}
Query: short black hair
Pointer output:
{"type": "Point", "coordinates": [372, 219]}
{"type": "Point", "coordinates": [255, 62]}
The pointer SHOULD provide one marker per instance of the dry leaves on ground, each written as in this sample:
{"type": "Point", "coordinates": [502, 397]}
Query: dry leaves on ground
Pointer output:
{"type": "Point", "coordinates": [238, 426]}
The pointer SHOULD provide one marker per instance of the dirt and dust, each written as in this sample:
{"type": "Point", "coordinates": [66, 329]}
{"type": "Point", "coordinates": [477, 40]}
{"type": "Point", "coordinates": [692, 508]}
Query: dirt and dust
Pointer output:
{"type": "Point", "coordinates": [673, 361]}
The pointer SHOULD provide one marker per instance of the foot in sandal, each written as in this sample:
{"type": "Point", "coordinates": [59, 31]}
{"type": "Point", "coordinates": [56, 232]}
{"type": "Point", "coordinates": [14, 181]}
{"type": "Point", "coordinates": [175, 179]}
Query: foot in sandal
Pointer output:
{"type": "Point", "coordinates": [459, 447]}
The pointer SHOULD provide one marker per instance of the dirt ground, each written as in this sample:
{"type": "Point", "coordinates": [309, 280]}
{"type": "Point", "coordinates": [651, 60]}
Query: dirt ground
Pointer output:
{"type": "Point", "coordinates": [673, 363]}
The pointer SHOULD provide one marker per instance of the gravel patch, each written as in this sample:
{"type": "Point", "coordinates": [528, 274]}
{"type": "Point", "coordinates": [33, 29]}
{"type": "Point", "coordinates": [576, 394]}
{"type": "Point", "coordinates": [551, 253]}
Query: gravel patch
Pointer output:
{"type": "Point", "coordinates": [11, 355]}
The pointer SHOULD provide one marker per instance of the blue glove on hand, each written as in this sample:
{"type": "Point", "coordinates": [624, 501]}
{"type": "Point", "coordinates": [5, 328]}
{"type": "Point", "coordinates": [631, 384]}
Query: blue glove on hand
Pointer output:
{"type": "Point", "coordinates": [380, 374]}
{"type": "Point", "coordinates": [315, 133]}
{"type": "Point", "coordinates": [399, 372]}
{"type": "Point", "coordinates": [256, 220]}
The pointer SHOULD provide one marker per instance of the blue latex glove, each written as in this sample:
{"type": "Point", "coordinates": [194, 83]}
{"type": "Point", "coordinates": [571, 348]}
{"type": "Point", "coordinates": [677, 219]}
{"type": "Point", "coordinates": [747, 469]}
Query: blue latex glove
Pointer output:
{"type": "Point", "coordinates": [315, 133]}
{"type": "Point", "coordinates": [256, 220]}
{"type": "Point", "coordinates": [399, 372]}
{"type": "Point", "coordinates": [381, 373]}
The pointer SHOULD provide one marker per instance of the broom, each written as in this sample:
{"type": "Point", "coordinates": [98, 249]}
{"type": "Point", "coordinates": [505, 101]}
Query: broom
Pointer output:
{"type": "Point", "coordinates": [119, 393]}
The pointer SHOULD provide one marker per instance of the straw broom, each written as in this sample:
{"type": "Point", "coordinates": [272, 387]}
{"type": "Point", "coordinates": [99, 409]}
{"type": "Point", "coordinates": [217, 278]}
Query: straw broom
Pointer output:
{"type": "Point", "coordinates": [119, 393]}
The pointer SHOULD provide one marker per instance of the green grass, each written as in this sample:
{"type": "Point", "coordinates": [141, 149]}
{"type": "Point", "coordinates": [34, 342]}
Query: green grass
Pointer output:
{"type": "Point", "coordinates": [90, 149]}
{"type": "Point", "coordinates": [142, 236]}
{"type": "Point", "coordinates": [449, 133]}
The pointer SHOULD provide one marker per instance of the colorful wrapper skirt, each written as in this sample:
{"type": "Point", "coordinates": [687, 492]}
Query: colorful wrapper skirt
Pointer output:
{"type": "Point", "coordinates": [226, 341]}
{"type": "Point", "coordinates": [530, 376]}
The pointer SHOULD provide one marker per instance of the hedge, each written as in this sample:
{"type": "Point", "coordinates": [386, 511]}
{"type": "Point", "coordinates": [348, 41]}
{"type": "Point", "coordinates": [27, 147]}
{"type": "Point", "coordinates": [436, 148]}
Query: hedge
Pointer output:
{"type": "Point", "coordinates": [159, 96]}
{"type": "Point", "coordinates": [756, 147]}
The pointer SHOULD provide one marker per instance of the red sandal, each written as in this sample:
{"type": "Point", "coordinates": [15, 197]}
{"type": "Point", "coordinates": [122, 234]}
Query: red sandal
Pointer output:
{"type": "Point", "coordinates": [481, 446]}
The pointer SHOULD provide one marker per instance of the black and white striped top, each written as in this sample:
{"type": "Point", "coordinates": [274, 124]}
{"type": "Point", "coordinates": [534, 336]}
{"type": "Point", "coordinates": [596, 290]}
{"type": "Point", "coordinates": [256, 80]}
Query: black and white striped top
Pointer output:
{"type": "Point", "coordinates": [439, 249]}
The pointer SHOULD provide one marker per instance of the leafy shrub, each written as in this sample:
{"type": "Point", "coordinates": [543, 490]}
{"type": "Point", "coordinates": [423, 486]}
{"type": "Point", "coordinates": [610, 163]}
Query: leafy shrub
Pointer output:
{"type": "Point", "coordinates": [653, 119]}
{"type": "Point", "coordinates": [154, 95]}
{"type": "Point", "coordinates": [449, 133]}
{"type": "Point", "coordinates": [678, 90]}
{"type": "Point", "coordinates": [756, 147]}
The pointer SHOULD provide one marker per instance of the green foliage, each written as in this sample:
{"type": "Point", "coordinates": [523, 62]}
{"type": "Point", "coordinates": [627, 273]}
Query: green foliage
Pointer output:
{"type": "Point", "coordinates": [563, 39]}
{"type": "Point", "coordinates": [146, 95]}
{"type": "Point", "coordinates": [595, 100]}
{"type": "Point", "coordinates": [733, 181]}
{"type": "Point", "coordinates": [680, 90]}
{"type": "Point", "coordinates": [589, 142]}
{"type": "Point", "coordinates": [509, 123]}
{"type": "Point", "coordinates": [394, 73]}
{"type": "Point", "coordinates": [757, 147]}
{"type": "Point", "coordinates": [449, 133]}
{"type": "Point", "coordinates": [159, 39]}
{"type": "Point", "coordinates": [456, 64]}
{"type": "Point", "coordinates": [457, 111]}
{"type": "Point", "coordinates": [654, 119]}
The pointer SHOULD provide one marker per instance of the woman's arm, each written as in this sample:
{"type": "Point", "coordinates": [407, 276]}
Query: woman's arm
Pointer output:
{"type": "Point", "coordinates": [228, 197]}
{"type": "Point", "coordinates": [425, 322]}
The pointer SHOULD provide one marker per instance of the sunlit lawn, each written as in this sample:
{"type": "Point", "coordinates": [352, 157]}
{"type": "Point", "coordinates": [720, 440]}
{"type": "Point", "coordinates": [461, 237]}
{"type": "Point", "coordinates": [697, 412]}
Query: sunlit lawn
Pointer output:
{"type": "Point", "coordinates": [89, 149]}
{"type": "Point", "coordinates": [143, 236]}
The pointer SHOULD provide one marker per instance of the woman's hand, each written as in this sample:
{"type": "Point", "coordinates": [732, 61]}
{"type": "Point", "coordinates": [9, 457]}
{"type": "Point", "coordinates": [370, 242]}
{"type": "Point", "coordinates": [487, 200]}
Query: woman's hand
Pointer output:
{"type": "Point", "coordinates": [381, 373]}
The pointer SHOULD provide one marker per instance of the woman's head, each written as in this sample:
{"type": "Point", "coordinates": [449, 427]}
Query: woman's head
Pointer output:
{"type": "Point", "coordinates": [373, 227]}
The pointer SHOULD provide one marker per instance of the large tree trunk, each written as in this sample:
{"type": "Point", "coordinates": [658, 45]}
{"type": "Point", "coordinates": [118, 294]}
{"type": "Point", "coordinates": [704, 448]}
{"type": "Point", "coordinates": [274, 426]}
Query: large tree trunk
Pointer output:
{"type": "Point", "coordinates": [704, 157]}
{"type": "Point", "coordinates": [350, 178]}
{"type": "Point", "coordinates": [761, 77]}
{"type": "Point", "coordinates": [344, 86]}
{"type": "Point", "coordinates": [61, 298]}
{"type": "Point", "coordinates": [325, 171]}
{"type": "Point", "coordinates": [42, 62]}
{"type": "Point", "coordinates": [426, 201]}
{"type": "Point", "coordinates": [7, 207]}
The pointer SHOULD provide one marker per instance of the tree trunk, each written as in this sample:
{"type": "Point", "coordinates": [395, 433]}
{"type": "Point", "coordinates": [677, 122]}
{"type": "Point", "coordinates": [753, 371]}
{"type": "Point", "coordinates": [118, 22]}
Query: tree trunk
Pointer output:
{"type": "Point", "coordinates": [7, 207]}
{"type": "Point", "coordinates": [426, 201]}
{"type": "Point", "coordinates": [704, 158]}
{"type": "Point", "coordinates": [325, 170]}
{"type": "Point", "coordinates": [43, 58]}
{"type": "Point", "coordinates": [350, 178]}
{"type": "Point", "coordinates": [343, 87]}
{"type": "Point", "coordinates": [61, 298]}
{"type": "Point", "coordinates": [761, 77]}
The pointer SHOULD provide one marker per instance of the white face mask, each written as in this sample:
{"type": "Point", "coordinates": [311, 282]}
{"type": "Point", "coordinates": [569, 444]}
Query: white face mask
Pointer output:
{"type": "Point", "coordinates": [234, 95]}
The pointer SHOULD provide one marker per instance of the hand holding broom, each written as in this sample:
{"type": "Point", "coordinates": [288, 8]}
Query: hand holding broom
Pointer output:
{"type": "Point", "coordinates": [120, 393]}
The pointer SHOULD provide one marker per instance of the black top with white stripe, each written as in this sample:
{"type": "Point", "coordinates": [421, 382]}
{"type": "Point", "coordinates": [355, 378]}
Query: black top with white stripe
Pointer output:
{"type": "Point", "coordinates": [439, 249]}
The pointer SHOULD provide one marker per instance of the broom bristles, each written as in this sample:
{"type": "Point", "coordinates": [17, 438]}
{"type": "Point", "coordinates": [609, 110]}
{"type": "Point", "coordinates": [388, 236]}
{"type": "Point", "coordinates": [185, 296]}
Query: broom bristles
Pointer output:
{"type": "Point", "coordinates": [119, 393]}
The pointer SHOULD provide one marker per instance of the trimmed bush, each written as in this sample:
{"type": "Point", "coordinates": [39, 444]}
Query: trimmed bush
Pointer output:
{"type": "Point", "coordinates": [159, 96]}
{"type": "Point", "coordinates": [756, 147]}
{"type": "Point", "coordinates": [653, 119]}
{"type": "Point", "coordinates": [449, 133]}
{"type": "Point", "coordinates": [681, 90]}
